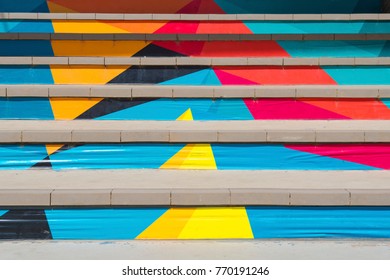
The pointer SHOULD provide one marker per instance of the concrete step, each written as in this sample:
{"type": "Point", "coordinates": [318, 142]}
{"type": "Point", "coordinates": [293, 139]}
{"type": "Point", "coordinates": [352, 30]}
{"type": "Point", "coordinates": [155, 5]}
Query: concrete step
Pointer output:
{"type": "Point", "coordinates": [193, 188]}
{"type": "Point", "coordinates": [197, 17]}
{"type": "Point", "coordinates": [260, 131]}
{"type": "Point", "coordinates": [193, 37]}
{"type": "Point", "coordinates": [280, 249]}
{"type": "Point", "coordinates": [166, 91]}
{"type": "Point", "coordinates": [202, 61]}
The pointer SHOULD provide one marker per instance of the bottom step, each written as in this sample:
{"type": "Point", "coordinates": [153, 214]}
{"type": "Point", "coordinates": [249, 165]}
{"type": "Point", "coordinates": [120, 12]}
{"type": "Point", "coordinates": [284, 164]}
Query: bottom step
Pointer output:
{"type": "Point", "coordinates": [196, 223]}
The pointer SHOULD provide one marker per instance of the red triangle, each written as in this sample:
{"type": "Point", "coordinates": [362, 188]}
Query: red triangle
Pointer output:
{"type": "Point", "coordinates": [184, 47]}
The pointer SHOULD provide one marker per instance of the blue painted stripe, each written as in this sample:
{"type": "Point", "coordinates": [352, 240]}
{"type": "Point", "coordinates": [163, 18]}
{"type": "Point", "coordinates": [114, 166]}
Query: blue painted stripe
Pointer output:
{"type": "Point", "coordinates": [323, 222]}
{"type": "Point", "coordinates": [21, 157]}
{"type": "Point", "coordinates": [16, 74]}
{"type": "Point", "coordinates": [2, 212]}
{"type": "Point", "coordinates": [115, 156]}
{"type": "Point", "coordinates": [171, 109]}
{"type": "Point", "coordinates": [26, 108]}
{"type": "Point", "coordinates": [333, 48]}
{"type": "Point", "coordinates": [275, 157]}
{"type": "Point", "coordinates": [101, 223]}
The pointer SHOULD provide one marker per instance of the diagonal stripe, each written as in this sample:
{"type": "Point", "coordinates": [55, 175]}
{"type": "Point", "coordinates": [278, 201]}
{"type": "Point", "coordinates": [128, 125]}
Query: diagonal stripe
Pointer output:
{"type": "Point", "coordinates": [169, 225]}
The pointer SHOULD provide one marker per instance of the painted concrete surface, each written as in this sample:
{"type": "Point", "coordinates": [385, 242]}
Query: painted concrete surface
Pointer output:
{"type": "Point", "coordinates": [224, 249]}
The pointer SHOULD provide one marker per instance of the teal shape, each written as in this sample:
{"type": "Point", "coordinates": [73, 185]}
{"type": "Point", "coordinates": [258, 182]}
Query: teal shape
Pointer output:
{"type": "Point", "coordinates": [333, 48]}
{"type": "Point", "coordinates": [15, 157]}
{"type": "Point", "coordinates": [205, 77]}
{"type": "Point", "coordinates": [275, 157]}
{"type": "Point", "coordinates": [21, 74]}
{"type": "Point", "coordinates": [359, 75]}
{"type": "Point", "coordinates": [319, 222]}
{"type": "Point", "coordinates": [25, 108]}
{"type": "Point", "coordinates": [111, 156]}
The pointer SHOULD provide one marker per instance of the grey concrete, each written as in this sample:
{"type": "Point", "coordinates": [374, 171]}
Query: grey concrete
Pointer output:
{"type": "Point", "coordinates": [200, 197]}
{"type": "Point", "coordinates": [172, 61]}
{"type": "Point", "coordinates": [80, 197]}
{"type": "Point", "coordinates": [292, 249]}
{"type": "Point", "coordinates": [194, 187]}
{"type": "Point", "coordinates": [137, 91]}
{"type": "Point", "coordinates": [198, 179]}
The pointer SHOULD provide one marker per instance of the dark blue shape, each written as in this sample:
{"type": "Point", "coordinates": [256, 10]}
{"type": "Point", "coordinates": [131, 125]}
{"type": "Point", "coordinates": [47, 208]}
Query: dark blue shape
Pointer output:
{"type": "Point", "coordinates": [26, 48]}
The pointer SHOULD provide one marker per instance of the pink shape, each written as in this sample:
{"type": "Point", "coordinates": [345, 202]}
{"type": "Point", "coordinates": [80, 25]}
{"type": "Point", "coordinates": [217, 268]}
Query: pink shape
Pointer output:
{"type": "Point", "coordinates": [179, 27]}
{"type": "Point", "coordinates": [288, 109]}
{"type": "Point", "coordinates": [229, 79]}
{"type": "Point", "coordinates": [375, 155]}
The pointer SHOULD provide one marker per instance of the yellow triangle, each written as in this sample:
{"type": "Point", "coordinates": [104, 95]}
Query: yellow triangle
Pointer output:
{"type": "Point", "coordinates": [169, 225]}
{"type": "Point", "coordinates": [96, 74]}
{"type": "Point", "coordinates": [192, 156]}
{"type": "Point", "coordinates": [218, 223]}
{"type": "Point", "coordinates": [52, 148]}
{"type": "Point", "coordinates": [186, 116]}
{"type": "Point", "coordinates": [71, 108]}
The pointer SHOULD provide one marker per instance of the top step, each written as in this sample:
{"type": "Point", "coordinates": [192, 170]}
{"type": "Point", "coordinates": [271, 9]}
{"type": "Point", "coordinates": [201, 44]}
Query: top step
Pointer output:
{"type": "Point", "coordinates": [195, 6]}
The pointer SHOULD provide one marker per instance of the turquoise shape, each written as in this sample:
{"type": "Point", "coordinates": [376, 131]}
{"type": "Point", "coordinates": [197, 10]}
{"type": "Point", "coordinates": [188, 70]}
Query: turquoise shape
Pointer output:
{"type": "Point", "coordinates": [101, 224]}
{"type": "Point", "coordinates": [26, 108]}
{"type": "Point", "coordinates": [319, 222]}
{"type": "Point", "coordinates": [171, 109]}
{"type": "Point", "coordinates": [311, 27]}
{"type": "Point", "coordinates": [299, 6]}
{"type": "Point", "coordinates": [111, 156]}
{"type": "Point", "coordinates": [333, 48]}
{"type": "Point", "coordinates": [2, 212]}
{"type": "Point", "coordinates": [386, 101]}
{"type": "Point", "coordinates": [359, 75]}
{"type": "Point", "coordinates": [33, 26]}
{"type": "Point", "coordinates": [15, 157]}
{"type": "Point", "coordinates": [20, 74]}
{"type": "Point", "coordinates": [275, 157]}
{"type": "Point", "coordinates": [205, 77]}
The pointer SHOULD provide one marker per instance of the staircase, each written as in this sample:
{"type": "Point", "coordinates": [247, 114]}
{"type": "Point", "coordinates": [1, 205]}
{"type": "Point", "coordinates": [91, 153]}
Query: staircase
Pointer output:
{"type": "Point", "coordinates": [194, 119]}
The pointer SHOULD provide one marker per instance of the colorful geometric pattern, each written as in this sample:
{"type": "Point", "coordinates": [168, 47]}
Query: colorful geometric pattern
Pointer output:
{"type": "Point", "coordinates": [193, 6]}
{"type": "Point", "coordinates": [167, 109]}
{"type": "Point", "coordinates": [196, 223]}
{"type": "Point", "coordinates": [264, 48]}
{"type": "Point", "coordinates": [195, 27]}
{"type": "Point", "coordinates": [197, 156]}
